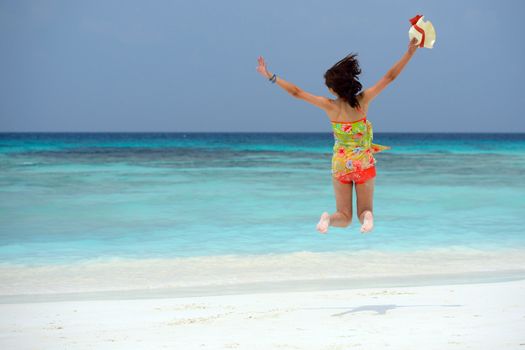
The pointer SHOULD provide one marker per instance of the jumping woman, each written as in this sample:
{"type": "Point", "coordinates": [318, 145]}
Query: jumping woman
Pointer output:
{"type": "Point", "coordinates": [353, 161]}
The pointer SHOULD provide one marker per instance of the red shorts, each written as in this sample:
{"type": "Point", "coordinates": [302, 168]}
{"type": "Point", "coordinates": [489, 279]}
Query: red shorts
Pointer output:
{"type": "Point", "coordinates": [358, 177]}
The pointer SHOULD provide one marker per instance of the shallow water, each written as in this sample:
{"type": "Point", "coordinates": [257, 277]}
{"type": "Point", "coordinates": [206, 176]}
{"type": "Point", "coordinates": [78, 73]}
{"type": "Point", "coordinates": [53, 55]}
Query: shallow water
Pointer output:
{"type": "Point", "coordinates": [76, 197]}
{"type": "Point", "coordinates": [68, 197]}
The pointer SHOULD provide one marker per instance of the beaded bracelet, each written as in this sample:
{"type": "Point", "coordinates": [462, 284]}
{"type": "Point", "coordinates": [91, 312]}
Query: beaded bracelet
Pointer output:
{"type": "Point", "coordinates": [273, 79]}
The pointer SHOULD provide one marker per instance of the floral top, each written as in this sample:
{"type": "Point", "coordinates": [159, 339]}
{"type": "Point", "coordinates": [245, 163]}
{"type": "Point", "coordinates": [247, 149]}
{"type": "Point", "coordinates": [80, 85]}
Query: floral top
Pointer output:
{"type": "Point", "coordinates": [353, 147]}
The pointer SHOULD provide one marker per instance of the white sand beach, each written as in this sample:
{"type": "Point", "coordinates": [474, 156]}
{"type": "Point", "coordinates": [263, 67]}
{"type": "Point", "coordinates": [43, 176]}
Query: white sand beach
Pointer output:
{"type": "Point", "coordinates": [454, 316]}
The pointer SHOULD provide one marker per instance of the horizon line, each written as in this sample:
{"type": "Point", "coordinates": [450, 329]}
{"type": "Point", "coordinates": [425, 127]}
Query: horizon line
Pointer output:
{"type": "Point", "coordinates": [254, 132]}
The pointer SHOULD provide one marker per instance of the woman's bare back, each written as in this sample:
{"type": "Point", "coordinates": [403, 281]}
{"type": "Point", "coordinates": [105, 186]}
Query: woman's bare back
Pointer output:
{"type": "Point", "coordinates": [345, 113]}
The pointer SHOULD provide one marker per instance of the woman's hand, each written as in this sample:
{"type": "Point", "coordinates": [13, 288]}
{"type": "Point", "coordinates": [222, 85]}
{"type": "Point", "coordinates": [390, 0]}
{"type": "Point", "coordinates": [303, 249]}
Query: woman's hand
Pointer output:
{"type": "Point", "coordinates": [262, 68]}
{"type": "Point", "coordinates": [412, 46]}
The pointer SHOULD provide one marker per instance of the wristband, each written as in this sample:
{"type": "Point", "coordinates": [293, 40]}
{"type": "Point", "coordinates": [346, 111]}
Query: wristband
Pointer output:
{"type": "Point", "coordinates": [273, 79]}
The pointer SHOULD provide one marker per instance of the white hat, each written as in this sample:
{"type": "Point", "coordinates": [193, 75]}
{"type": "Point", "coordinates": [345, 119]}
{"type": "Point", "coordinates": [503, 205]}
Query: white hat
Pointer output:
{"type": "Point", "coordinates": [423, 31]}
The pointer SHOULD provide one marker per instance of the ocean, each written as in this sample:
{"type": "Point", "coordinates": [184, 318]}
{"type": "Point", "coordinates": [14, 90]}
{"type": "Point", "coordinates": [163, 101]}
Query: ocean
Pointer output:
{"type": "Point", "coordinates": [242, 199]}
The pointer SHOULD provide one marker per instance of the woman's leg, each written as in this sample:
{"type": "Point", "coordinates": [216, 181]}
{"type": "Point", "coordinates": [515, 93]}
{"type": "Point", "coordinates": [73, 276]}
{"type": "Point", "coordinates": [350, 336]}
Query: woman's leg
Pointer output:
{"type": "Point", "coordinates": [365, 204]}
{"type": "Point", "coordinates": [343, 216]}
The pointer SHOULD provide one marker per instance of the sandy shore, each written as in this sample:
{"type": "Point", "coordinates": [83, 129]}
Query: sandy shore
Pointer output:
{"type": "Point", "coordinates": [454, 316]}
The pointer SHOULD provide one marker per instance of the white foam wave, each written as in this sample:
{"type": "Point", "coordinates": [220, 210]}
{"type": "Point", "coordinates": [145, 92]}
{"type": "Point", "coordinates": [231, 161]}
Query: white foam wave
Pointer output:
{"type": "Point", "coordinates": [134, 274]}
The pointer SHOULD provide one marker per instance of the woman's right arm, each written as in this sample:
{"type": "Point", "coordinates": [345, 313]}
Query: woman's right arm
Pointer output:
{"type": "Point", "coordinates": [392, 73]}
{"type": "Point", "coordinates": [398, 67]}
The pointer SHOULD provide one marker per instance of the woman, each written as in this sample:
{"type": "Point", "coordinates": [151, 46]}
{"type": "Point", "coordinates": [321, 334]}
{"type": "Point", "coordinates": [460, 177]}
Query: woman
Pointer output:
{"type": "Point", "coordinates": [353, 161]}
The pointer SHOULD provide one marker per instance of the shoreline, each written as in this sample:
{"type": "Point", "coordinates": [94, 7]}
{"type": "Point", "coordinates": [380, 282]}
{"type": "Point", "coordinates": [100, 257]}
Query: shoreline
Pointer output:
{"type": "Point", "coordinates": [266, 287]}
{"type": "Point", "coordinates": [434, 299]}
{"type": "Point", "coordinates": [115, 278]}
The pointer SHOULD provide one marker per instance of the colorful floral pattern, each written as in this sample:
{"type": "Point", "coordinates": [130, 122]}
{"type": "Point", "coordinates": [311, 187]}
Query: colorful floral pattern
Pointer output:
{"type": "Point", "coordinates": [353, 147]}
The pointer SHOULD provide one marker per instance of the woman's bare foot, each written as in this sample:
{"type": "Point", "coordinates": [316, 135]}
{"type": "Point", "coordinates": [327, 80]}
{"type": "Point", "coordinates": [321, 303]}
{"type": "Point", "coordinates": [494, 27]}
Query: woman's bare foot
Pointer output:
{"type": "Point", "coordinates": [324, 222]}
{"type": "Point", "coordinates": [368, 222]}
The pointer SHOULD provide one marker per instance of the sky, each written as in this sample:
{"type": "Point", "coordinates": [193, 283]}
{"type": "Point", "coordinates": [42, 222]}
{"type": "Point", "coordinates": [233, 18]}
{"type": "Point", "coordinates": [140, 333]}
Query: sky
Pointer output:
{"type": "Point", "coordinates": [190, 66]}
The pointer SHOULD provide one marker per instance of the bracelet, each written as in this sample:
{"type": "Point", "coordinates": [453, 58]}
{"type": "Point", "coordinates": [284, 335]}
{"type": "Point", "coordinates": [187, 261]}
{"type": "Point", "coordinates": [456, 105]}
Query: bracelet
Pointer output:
{"type": "Point", "coordinates": [273, 79]}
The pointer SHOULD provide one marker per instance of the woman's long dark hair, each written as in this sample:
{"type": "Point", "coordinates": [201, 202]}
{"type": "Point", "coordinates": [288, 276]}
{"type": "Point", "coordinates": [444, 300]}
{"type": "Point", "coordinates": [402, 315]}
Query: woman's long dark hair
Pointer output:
{"type": "Point", "coordinates": [343, 79]}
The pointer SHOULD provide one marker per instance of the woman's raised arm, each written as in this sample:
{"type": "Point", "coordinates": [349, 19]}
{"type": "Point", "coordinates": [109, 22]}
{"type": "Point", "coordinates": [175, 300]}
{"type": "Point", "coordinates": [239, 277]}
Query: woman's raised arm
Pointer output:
{"type": "Point", "coordinates": [292, 89]}
{"type": "Point", "coordinates": [320, 101]}
{"type": "Point", "coordinates": [398, 67]}
{"type": "Point", "coordinates": [372, 92]}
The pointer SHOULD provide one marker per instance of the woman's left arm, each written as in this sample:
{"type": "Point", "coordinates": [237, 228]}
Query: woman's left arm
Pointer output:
{"type": "Point", "coordinates": [319, 101]}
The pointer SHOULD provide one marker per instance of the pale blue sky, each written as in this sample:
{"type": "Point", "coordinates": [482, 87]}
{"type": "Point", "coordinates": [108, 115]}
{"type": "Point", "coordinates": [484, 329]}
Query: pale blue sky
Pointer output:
{"type": "Point", "coordinates": [190, 65]}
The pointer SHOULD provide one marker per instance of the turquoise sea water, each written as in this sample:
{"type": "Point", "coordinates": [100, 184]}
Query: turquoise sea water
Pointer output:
{"type": "Point", "coordinates": [70, 197]}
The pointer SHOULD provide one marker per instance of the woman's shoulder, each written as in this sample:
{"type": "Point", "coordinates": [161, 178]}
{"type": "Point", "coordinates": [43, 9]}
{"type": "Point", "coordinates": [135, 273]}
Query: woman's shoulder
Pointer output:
{"type": "Point", "coordinates": [363, 103]}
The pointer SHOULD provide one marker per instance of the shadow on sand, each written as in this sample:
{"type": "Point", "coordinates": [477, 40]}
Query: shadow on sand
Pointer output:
{"type": "Point", "coordinates": [378, 309]}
